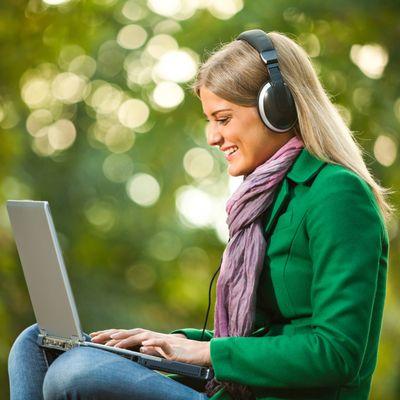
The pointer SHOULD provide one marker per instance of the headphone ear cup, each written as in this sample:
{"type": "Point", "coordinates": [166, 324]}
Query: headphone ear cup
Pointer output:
{"type": "Point", "coordinates": [276, 107]}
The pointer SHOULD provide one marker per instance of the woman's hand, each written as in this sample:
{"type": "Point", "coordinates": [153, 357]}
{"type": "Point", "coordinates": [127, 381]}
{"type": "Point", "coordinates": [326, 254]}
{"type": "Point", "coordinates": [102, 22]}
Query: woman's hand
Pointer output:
{"type": "Point", "coordinates": [174, 346]}
{"type": "Point", "coordinates": [107, 336]}
{"type": "Point", "coordinates": [130, 338]}
{"type": "Point", "coordinates": [179, 349]}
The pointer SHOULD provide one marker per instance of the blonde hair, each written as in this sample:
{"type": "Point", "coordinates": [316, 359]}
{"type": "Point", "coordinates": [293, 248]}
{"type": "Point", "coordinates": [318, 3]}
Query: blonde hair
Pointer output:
{"type": "Point", "coordinates": [235, 73]}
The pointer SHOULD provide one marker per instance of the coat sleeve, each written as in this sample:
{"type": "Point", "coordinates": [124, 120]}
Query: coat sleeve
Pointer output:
{"type": "Point", "coordinates": [345, 231]}
{"type": "Point", "coordinates": [195, 334]}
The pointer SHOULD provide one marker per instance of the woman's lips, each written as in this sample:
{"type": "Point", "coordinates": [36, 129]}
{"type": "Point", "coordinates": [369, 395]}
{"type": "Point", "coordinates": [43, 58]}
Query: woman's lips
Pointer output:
{"type": "Point", "coordinates": [229, 157]}
{"type": "Point", "coordinates": [230, 152]}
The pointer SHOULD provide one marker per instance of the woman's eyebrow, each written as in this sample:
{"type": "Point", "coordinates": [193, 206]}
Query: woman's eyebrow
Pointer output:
{"type": "Point", "coordinates": [217, 111]}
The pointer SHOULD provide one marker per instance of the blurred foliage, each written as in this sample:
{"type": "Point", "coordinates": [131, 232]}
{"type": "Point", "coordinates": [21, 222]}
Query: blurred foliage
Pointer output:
{"type": "Point", "coordinates": [133, 263]}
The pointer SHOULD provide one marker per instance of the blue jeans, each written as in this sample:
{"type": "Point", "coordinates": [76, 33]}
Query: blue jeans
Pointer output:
{"type": "Point", "coordinates": [85, 373]}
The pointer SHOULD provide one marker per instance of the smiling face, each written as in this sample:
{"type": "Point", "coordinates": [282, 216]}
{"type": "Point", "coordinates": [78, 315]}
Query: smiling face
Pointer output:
{"type": "Point", "coordinates": [239, 132]}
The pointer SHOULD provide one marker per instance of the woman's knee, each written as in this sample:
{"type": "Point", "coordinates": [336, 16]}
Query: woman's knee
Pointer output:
{"type": "Point", "coordinates": [65, 374]}
{"type": "Point", "coordinates": [28, 337]}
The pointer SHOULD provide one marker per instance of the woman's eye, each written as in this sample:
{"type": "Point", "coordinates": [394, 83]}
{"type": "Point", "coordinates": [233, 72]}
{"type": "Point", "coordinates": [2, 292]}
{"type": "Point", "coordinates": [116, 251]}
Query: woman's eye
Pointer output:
{"type": "Point", "coordinates": [222, 121]}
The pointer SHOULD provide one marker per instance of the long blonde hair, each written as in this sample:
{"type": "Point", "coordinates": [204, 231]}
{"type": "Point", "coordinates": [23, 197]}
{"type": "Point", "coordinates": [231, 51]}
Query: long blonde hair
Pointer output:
{"type": "Point", "coordinates": [235, 73]}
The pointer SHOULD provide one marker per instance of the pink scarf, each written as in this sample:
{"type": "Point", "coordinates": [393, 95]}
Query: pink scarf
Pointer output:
{"type": "Point", "coordinates": [244, 254]}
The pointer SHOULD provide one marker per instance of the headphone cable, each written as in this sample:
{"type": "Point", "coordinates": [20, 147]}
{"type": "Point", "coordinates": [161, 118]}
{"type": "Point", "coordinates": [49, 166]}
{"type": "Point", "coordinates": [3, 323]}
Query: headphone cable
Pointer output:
{"type": "Point", "coordinates": [209, 299]}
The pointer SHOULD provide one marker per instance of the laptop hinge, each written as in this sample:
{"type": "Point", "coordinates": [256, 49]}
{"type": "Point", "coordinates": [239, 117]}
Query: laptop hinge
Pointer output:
{"type": "Point", "coordinates": [59, 343]}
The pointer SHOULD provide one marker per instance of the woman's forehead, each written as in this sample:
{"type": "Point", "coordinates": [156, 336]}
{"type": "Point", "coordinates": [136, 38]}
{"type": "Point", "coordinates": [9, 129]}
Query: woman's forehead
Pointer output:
{"type": "Point", "coordinates": [212, 103]}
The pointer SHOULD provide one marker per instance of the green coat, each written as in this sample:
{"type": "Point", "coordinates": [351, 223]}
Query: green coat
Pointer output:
{"type": "Point", "coordinates": [321, 294]}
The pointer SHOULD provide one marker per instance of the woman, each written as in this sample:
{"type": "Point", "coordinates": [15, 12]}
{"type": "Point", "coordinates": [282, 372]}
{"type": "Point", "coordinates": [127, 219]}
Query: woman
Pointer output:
{"type": "Point", "coordinates": [302, 284]}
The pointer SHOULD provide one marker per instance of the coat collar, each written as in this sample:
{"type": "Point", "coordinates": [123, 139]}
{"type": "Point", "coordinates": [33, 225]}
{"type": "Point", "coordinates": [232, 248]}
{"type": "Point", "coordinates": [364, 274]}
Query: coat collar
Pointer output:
{"type": "Point", "coordinates": [303, 169]}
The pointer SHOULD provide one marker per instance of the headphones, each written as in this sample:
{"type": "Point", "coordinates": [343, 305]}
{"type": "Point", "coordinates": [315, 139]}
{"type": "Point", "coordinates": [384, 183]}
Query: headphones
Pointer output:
{"type": "Point", "coordinates": [275, 103]}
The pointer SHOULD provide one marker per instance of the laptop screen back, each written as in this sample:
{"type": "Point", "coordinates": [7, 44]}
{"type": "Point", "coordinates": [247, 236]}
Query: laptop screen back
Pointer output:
{"type": "Point", "coordinates": [44, 269]}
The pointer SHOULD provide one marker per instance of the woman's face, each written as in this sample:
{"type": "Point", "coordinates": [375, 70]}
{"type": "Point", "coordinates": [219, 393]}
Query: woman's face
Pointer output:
{"type": "Point", "coordinates": [239, 132]}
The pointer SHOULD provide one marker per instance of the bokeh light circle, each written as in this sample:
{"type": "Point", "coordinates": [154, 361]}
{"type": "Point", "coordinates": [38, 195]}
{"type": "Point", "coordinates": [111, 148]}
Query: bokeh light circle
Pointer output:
{"type": "Point", "coordinates": [168, 94]}
{"type": "Point", "coordinates": [143, 189]}
{"type": "Point", "coordinates": [133, 113]}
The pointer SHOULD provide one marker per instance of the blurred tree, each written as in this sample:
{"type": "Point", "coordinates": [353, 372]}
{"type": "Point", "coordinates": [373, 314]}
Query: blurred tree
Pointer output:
{"type": "Point", "coordinates": [96, 118]}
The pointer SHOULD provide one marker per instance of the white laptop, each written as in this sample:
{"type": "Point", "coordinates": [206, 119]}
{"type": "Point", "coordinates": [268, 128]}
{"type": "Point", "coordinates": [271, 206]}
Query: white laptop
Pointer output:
{"type": "Point", "coordinates": [51, 294]}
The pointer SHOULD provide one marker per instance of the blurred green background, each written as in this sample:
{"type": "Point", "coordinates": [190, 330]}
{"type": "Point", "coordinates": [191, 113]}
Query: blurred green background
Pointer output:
{"type": "Point", "coordinates": [96, 117]}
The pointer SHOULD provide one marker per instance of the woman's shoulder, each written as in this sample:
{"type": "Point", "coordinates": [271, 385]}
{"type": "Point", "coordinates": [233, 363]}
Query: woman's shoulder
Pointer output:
{"type": "Point", "coordinates": [340, 180]}
{"type": "Point", "coordinates": [339, 190]}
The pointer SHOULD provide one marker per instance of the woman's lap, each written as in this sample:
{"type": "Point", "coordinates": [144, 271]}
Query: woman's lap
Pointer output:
{"type": "Point", "coordinates": [93, 373]}
{"type": "Point", "coordinates": [88, 373]}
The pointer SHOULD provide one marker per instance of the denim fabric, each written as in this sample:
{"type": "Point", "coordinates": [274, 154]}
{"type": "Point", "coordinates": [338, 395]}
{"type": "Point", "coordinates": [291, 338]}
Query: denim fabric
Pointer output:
{"type": "Point", "coordinates": [85, 373]}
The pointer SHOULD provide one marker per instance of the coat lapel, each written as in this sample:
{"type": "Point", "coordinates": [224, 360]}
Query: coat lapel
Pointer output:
{"type": "Point", "coordinates": [304, 168]}
{"type": "Point", "coordinates": [282, 198]}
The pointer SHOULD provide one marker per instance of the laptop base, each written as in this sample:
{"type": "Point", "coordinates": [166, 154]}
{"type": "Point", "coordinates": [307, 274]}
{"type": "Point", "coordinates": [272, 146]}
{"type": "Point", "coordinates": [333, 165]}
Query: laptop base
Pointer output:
{"type": "Point", "coordinates": [148, 361]}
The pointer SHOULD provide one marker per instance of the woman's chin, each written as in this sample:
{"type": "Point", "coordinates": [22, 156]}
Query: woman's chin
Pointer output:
{"type": "Point", "coordinates": [232, 171]}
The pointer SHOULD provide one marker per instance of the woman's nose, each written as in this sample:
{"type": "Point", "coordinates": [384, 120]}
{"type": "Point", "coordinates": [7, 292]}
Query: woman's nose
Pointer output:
{"type": "Point", "coordinates": [214, 136]}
